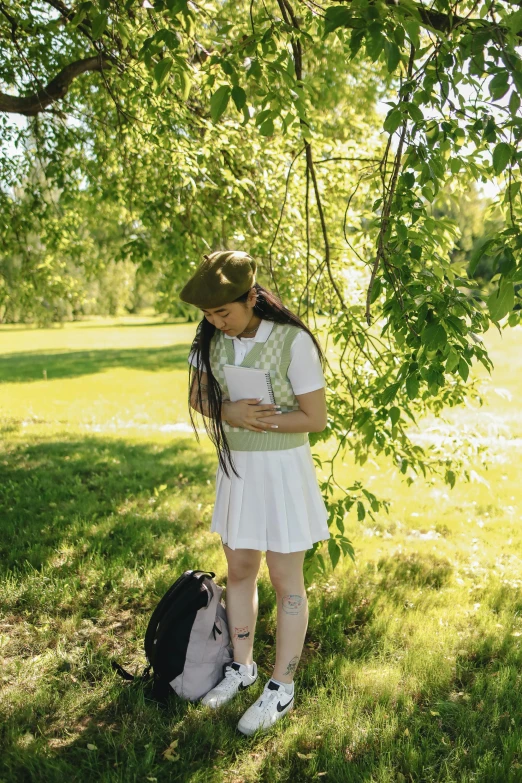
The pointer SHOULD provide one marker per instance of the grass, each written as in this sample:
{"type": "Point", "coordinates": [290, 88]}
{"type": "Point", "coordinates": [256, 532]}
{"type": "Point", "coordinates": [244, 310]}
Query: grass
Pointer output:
{"type": "Point", "coordinates": [412, 663]}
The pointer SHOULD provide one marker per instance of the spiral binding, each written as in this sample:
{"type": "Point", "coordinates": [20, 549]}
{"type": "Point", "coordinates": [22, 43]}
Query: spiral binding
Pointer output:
{"type": "Point", "coordinates": [270, 388]}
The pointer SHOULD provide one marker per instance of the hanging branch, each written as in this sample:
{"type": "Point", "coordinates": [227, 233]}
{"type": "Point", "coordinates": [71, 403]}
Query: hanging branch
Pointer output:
{"type": "Point", "coordinates": [31, 105]}
{"type": "Point", "coordinates": [388, 200]}
{"type": "Point", "coordinates": [291, 19]}
{"type": "Point", "coordinates": [272, 275]}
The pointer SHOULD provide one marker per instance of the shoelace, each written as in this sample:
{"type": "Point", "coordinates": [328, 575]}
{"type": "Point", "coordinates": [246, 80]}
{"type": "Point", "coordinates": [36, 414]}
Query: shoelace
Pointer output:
{"type": "Point", "coordinates": [229, 679]}
{"type": "Point", "coordinates": [267, 697]}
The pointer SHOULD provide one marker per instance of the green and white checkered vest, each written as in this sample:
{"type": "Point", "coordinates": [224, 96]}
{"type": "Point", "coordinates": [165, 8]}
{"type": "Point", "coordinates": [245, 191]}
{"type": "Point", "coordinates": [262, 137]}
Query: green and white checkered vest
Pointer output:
{"type": "Point", "coordinates": [272, 355]}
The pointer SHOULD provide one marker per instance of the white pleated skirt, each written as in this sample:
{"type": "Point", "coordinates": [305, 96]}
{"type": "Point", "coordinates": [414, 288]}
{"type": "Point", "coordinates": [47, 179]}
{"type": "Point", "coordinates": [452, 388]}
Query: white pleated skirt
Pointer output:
{"type": "Point", "coordinates": [275, 505]}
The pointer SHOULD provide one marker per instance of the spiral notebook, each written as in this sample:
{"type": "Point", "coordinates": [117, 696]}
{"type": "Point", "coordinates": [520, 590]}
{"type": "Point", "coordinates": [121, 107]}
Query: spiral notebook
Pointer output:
{"type": "Point", "coordinates": [246, 382]}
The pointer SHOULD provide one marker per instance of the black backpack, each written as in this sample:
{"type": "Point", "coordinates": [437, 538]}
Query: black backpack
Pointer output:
{"type": "Point", "coordinates": [187, 642]}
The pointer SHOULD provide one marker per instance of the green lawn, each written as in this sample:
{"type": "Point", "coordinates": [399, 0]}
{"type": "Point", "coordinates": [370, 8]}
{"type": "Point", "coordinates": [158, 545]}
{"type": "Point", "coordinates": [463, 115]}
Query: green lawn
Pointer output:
{"type": "Point", "coordinates": [411, 669]}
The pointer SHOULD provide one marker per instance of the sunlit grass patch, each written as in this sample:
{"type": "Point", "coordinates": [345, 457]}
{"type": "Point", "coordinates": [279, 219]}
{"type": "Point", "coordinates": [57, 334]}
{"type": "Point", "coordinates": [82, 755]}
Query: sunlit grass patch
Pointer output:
{"type": "Point", "coordinates": [411, 665]}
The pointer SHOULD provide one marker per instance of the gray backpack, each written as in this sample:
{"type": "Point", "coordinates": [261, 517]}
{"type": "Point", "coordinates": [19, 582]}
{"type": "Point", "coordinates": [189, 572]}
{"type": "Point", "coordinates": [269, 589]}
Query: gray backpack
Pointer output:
{"type": "Point", "coordinates": [187, 642]}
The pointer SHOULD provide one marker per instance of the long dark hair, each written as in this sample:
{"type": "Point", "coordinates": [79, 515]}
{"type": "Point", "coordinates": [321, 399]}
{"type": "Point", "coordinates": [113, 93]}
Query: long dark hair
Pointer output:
{"type": "Point", "coordinates": [269, 307]}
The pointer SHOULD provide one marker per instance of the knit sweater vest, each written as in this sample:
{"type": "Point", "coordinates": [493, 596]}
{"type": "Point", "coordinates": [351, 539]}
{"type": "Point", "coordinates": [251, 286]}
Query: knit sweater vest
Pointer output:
{"type": "Point", "coordinates": [272, 355]}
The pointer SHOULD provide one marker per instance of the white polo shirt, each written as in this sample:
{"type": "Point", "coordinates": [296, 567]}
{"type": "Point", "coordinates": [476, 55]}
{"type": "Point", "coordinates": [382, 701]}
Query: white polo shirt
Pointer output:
{"type": "Point", "coordinates": [304, 371]}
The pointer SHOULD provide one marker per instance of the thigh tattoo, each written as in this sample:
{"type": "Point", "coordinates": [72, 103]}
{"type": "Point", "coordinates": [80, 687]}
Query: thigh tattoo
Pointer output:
{"type": "Point", "coordinates": [292, 604]}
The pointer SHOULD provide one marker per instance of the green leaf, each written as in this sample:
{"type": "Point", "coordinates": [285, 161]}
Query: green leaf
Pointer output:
{"type": "Point", "coordinates": [99, 23]}
{"type": "Point", "coordinates": [185, 84]}
{"type": "Point", "coordinates": [434, 336]}
{"type": "Point", "coordinates": [239, 97]}
{"type": "Point", "coordinates": [501, 156]}
{"type": "Point", "coordinates": [375, 43]}
{"type": "Point", "coordinates": [414, 112]}
{"type": "Point", "coordinates": [219, 102]}
{"type": "Point", "coordinates": [452, 360]}
{"type": "Point", "coordinates": [501, 301]}
{"type": "Point", "coordinates": [412, 28]}
{"type": "Point", "coordinates": [177, 6]}
{"type": "Point", "coordinates": [511, 192]}
{"type": "Point", "coordinates": [412, 386]}
{"type": "Point", "coordinates": [463, 369]}
{"type": "Point", "coordinates": [168, 37]}
{"type": "Point", "coordinates": [333, 551]}
{"type": "Point", "coordinates": [432, 131]}
{"type": "Point", "coordinates": [361, 511]}
{"type": "Point", "coordinates": [347, 546]}
{"type": "Point", "coordinates": [287, 120]}
{"type": "Point", "coordinates": [477, 254]}
{"type": "Point", "coordinates": [517, 78]}
{"type": "Point", "coordinates": [162, 68]}
{"type": "Point", "coordinates": [499, 85]}
{"type": "Point", "coordinates": [393, 55]}
{"type": "Point", "coordinates": [255, 69]}
{"type": "Point", "coordinates": [79, 17]}
{"type": "Point", "coordinates": [389, 393]}
{"type": "Point", "coordinates": [394, 414]}
{"type": "Point", "coordinates": [505, 262]}
{"type": "Point", "coordinates": [402, 231]}
{"type": "Point", "coordinates": [514, 103]}
{"type": "Point", "coordinates": [376, 290]}
{"type": "Point", "coordinates": [336, 16]}
{"type": "Point", "coordinates": [261, 116]}
{"type": "Point", "coordinates": [514, 21]}
{"type": "Point", "coordinates": [227, 68]}
{"type": "Point", "coordinates": [267, 128]}
{"type": "Point", "coordinates": [392, 121]}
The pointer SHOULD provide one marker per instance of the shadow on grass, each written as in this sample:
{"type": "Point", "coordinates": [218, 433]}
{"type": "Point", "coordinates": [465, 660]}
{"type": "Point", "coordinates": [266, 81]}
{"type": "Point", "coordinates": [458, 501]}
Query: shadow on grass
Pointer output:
{"type": "Point", "coordinates": [25, 367]}
{"type": "Point", "coordinates": [468, 729]}
{"type": "Point", "coordinates": [402, 572]}
{"type": "Point", "coordinates": [17, 328]}
{"type": "Point", "coordinates": [145, 324]}
{"type": "Point", "coordinates": [99, 495]}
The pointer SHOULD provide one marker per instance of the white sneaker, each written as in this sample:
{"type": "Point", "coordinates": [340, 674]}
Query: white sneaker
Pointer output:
{"type": "Point", "coordinates": [236, 679]}
{"type": "Point", "coordinates": [273, 703]}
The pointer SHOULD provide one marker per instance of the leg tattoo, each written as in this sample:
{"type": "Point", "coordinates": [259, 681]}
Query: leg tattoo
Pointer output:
{"type": "Point", "coordinates": [241, 633]}
{"type": "Point", "coordinates": [292, 666]}
{"type": "Point", "coordinates": [292, 604]}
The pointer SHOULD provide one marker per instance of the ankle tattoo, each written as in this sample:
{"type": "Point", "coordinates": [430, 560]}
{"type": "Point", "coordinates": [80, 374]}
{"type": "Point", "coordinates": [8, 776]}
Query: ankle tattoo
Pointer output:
{"type": "Point", "coordinates": [293, 604]}
{"type": "Point", "coordinates": [292, 666]}
{"type": "Point", "coordinates": [241, 633]}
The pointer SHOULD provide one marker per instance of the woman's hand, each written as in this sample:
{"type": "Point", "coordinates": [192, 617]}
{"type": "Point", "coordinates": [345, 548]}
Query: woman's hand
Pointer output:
{"type": "Point", "coordinates": [246, 413]}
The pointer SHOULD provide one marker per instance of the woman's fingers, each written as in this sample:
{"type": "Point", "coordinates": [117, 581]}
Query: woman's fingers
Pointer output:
{"type": "Point", "coordinates": [259, 426]}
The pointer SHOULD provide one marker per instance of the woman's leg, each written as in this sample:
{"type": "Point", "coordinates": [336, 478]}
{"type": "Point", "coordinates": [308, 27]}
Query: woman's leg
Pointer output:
{"type": "Point", "coordinates": [286, 575]}
{"type": "Point", "coordinates": [242, 600]}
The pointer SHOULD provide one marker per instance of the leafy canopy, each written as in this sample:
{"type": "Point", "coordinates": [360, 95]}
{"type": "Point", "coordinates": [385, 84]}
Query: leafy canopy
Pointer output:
{"type": "Point", "coordinates": [199, 124]}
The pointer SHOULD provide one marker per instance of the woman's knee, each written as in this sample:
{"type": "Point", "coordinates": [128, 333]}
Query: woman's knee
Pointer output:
{"type": "Point", "coordinates": [242, 564]}
{"type": "Point", "coordinates": [286, 571]}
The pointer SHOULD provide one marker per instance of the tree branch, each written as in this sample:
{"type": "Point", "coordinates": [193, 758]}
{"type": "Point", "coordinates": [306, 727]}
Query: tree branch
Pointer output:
{"type": "Point", "coordinates": [30, 105]}
{"type": "Point", "coordinates": [440, 21]}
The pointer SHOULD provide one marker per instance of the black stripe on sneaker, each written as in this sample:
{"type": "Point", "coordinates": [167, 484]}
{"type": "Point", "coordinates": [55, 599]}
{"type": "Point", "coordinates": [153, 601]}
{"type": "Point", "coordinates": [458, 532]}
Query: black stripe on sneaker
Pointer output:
{"type": "Point", "coordinates": [281, 707]}
{"type": "Point", "coordinates": [243, 687]}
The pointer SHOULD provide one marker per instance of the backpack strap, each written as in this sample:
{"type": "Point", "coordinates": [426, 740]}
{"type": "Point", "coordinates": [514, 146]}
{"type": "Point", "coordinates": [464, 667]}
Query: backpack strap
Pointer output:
{"type": "Point", "coordinates": [204, 625]}
{"type": "Point", "coordinates": [127, 675]}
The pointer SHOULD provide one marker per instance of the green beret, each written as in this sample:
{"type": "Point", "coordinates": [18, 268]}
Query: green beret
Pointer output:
{"type": "Point", "coordinates": [219, 279]}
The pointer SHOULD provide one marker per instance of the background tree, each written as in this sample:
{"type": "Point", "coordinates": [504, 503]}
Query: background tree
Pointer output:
{"type": "Point", "coordinates": [182, 126]}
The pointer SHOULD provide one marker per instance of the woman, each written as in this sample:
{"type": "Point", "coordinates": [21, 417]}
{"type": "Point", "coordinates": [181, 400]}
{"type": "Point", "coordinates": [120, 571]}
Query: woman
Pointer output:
{"type": "Point", "coordinates": [272, 501]}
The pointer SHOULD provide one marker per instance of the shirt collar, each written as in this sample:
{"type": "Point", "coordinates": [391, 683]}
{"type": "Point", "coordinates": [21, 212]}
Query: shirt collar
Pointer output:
{"type": "Point", "coordinates": [262, 334]}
